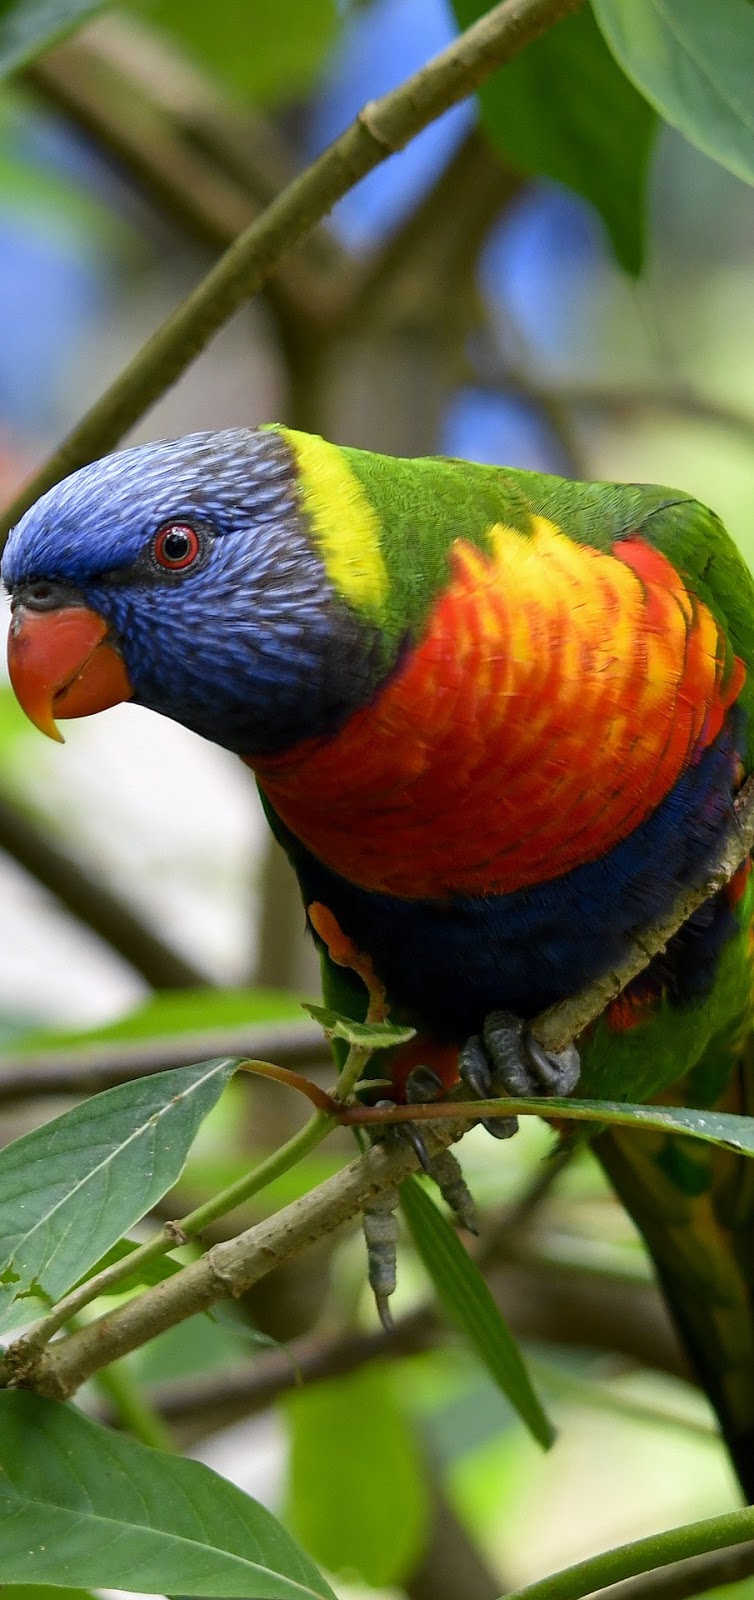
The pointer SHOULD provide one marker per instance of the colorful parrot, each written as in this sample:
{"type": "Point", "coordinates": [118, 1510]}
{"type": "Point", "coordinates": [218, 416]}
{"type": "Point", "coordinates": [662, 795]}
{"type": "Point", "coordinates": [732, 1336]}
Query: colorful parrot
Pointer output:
{"type": "Point", "coordinates": [498, 721]}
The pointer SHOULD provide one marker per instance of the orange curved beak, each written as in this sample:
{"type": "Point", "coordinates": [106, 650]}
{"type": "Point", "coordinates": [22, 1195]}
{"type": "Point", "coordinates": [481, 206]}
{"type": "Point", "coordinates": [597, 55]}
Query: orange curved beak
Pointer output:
{"type": "Point", "coordinates": [62, 664]}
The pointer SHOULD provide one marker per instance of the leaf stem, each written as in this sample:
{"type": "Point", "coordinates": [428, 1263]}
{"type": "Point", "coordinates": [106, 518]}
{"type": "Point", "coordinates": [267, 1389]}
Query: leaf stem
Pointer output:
{"type": "Point", "coordinates": [713, 1127]}
{"type": "Point", "coordinates": [292, 1080]}
{"type": "Point", "coordinates": [353, 1067]}
{"type": "Point", "coordinates": [273, 1166]}
{"type": "Point", "coordinates": [642, 1555]}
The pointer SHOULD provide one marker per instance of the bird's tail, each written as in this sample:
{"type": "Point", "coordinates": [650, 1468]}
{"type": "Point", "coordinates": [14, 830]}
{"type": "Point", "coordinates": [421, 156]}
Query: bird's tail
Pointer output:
{"type": "Point", "coordinates": [694, 1205]}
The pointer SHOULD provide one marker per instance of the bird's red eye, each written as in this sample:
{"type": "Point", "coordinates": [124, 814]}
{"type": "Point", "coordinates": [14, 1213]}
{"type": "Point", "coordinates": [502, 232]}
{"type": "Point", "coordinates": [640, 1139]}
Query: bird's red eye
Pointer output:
{"type": "Point", "coordinates": [177, 546]}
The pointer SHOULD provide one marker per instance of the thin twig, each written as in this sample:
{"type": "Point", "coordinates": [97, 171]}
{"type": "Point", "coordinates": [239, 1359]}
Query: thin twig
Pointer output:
{"type": "Point", "coordinates": [291, 1080]}
{"type": "Point", "coordinates": [685, 1578]}
{"type": "Point", "coordinates": [93, 903]}
{"type": "Point", "coordinates": [382, 128]}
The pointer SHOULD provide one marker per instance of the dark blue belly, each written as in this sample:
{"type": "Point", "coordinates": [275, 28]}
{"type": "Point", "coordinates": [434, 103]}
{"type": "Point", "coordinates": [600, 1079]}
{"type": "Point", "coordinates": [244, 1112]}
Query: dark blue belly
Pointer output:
{"type": "Point", "coordinates": [446, 963]}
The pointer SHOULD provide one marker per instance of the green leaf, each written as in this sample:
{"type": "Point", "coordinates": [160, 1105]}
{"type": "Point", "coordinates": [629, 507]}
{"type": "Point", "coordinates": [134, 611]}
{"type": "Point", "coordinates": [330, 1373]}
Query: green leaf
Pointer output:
{"type": "Point", "coordinates": [467, 1300]}
{"type": "Point", "coordinates": [27, 27]}
{"type": "Point", "coordinates": [368, 1035]}
{"type": "Point", "coordinates": [564, 109]}
{"type": "Point", "coordinates": [713, 1127]}
{"type": "Point", "coordinates": [42, 1591]}
{"type": "Point", "coordinates": [271, 52]}
{"type": "Point", "coordinates": [694, 61]}
{"type": "Point", "coordinates": [357, 1493]}
{"type": "Point", "coordinates": [81, 1505]}
{"type": "Point", "coordinates": [175, 1012]}
{"type": "Point", "coordinates": [72, 1188]}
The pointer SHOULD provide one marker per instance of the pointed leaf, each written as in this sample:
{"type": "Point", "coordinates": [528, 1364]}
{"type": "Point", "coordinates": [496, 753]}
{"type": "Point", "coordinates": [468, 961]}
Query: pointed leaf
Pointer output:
{"type": "Point", "coordinates": [27, 27]}
{"type": "Point", "coordinates": [694, 61]}
{"type": "Point", "coordinates": [82, 1505]}
{"type": "Point", "coordinates": [72, 1188]}
{"type": "Point", "coordinates": [368, 1035]}
{"type": "Point", "coordinates": [714, 1127]}
{"type": "Point", "coordinates": [467, 1300]}
{"type": "Point", "coordinates": [564, 109]}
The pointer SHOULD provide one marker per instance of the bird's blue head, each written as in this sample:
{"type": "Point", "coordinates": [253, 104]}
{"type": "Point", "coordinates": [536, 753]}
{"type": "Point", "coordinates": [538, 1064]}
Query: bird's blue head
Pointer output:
{"type": "Point", "coordinates": [183, 575]}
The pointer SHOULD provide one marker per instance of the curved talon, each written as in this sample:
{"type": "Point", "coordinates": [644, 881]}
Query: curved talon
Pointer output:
{"type": "Point", "coordinates": [383, 1311]}
{"type": "Point", "coordinates": [474, 1068]}
{"type": "Point", "coordinates": [405, 1131]}
{"type": "Point", "coordinates": [410, 1132]}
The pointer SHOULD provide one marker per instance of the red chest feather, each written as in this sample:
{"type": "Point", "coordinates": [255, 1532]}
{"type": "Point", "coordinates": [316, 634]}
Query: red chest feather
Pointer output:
{"type": "Point", "coordinates": [551, 703]}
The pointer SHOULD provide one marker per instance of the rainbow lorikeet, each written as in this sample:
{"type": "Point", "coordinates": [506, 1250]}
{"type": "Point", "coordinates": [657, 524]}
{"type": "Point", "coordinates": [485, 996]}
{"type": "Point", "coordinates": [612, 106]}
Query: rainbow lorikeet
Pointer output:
{"type": "Point", "coordinates": [498, 721]}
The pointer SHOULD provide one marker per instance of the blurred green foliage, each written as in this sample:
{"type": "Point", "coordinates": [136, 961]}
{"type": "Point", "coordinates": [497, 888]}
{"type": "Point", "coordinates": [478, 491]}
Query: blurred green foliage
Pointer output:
{"type": "Point", "coordinates": [270, 52]}
{"type": "Point", "coordinates": [370, 1514]}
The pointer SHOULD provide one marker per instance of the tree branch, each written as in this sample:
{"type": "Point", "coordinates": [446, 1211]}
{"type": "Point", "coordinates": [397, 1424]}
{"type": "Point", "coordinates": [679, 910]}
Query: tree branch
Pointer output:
{"type": "Point", "coordinates": [382, 128]}
{"type": "Point", "coordinates": [88, 1068]}
{"type": "Point", "coordinates": [209, 168]}
{"type": "Point", "coordinates": [94, 904]}
{"type": "Point", "coordinates": [573, 393]}
{"type": "Point", "coordinates": [542, 1301]}
{"type": "Point", "coordinates": [451, 1563]}
{"type": "Point", "coordinates": [227, 1271]}
{"type": "Point", "coordinates": [548, 1307]}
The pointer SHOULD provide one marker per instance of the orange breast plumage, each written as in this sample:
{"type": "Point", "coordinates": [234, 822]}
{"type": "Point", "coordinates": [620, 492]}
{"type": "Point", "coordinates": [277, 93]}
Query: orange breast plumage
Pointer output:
{"type": "Point", "coordinates": [554, 698]}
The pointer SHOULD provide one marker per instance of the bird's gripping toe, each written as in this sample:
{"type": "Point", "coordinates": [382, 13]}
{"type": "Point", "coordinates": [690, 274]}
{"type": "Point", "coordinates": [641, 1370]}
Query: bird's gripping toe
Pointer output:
{"type": "Point", "coordinates": [506, 1059]}
{"type": "Point", "coordinates": [380, 1224]}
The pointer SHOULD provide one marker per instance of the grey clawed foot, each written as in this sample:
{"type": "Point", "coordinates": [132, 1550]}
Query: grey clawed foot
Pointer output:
{"type": "Point", "coordinates": [477, 1072]}
{"type": "Point", "coordinates": [380, 1222]}
{"type": "Point", "coordinates": [506, 1059]}
{"type": "Point", "coordinates": [380, 1225]}
{"type": "Point", "coordinates": [520, 1065]}
{"type": "Point", "coordinates": [422, 1087]}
